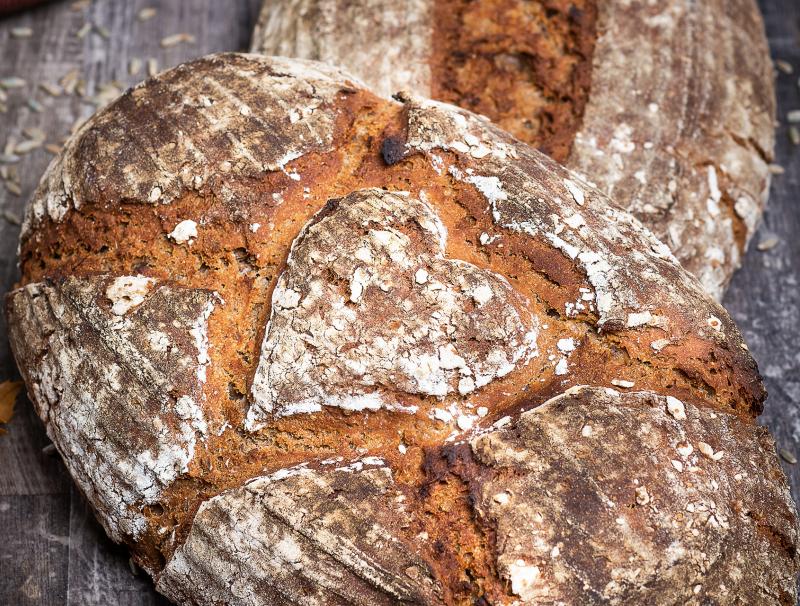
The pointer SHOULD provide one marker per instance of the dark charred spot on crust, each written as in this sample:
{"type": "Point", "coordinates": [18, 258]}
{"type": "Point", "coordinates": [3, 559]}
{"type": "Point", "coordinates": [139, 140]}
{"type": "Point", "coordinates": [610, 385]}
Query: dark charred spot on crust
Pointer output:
{"type": "Point", "coordinates": [393, 149]}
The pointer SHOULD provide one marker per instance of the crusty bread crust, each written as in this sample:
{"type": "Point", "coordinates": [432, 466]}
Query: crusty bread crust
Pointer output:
{"type": "Point", "coordinates": [162, 269]}
{"type": "Point", "coordinates": [667, 106]}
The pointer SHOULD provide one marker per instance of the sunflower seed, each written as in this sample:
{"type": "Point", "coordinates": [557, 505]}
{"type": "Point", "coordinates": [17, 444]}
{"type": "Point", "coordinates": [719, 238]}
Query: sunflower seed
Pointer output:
{"type": "Point", "coordinates": [135, 66]}
{"type": "Point", "coordinates": [35, 106]}
{"type": "Point", "coordinates": [27, 146]}
{"type": "Point", "coordinates": [11, 217]}
{"type": "Point", "coordinates": [53, 148]}
{"type": "Point", "coordinates": [776, 169]}
{"type": "Point", "coordinates": [54, 90]}
{"type": "Point", "coordinates": [11, 143]}
{"type": "Point", "coordinates": [69, 81]}
{"type": "Point", "coordinates": [767, 244]}
{"type": "Point", "coordinates": [85, 29]}
{"type": "Point", "coordinates": [9, 158]}
{"type": "Point", "coordinates": [80, 88]}
{"type": "Point", "coordinates": [784, 66]}
{"type": "Point", "coordinates": [146, 13]}
{"type": "Point", "coordinates": [12, 82]}
{"type": "Point", "coordinates": [793, 116]}
{"type": "Point", "coordinates": [176, 39]}
{"type": "Point", "coordinates": [794, 135]}
{"type": "Point", "coordinates": [13, 188]}
{"type": "Point", "coordinates": [33, 132]}
{"type": "Point", "coordinates": [787, 456]}
{"type": "Point", "coordinates": [3, 96]}
{"type": "Point", "coordinates": [21, 32]}
{"type": "Point", "coordinates": [152, 67]}
{"type": "Point", "coordinates": [103, 31]}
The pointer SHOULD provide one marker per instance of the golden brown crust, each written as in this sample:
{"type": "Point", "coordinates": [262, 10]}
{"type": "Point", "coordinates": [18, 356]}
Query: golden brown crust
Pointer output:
{"type": "Point", "coordinates": [610, 303]}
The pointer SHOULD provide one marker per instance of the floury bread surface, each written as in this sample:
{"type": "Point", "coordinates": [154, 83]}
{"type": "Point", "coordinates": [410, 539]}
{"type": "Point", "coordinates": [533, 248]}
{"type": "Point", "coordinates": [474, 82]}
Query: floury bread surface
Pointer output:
{"type": "Point", "coordinates": [667, 106]}
{"type": "Point", "coordinates": [301, 344]}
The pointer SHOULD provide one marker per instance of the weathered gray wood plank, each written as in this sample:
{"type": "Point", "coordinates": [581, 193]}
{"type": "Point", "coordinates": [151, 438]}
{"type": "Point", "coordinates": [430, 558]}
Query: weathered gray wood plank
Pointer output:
{"type": "Point", "coordinates": [34, 550]}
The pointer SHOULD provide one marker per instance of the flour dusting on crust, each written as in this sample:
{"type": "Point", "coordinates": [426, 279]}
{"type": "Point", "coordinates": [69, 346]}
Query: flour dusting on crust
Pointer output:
{"type": "Point", "coordinates": [121, 395]}
{"type": "Point", "coordinates": [368, 305]}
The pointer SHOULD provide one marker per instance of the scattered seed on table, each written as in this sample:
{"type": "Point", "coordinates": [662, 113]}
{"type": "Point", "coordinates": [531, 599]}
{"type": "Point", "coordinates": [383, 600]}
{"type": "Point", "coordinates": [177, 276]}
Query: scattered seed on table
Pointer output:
{"type": "Point", "coordinates": [35, 106]}
{"type": "Point", "coordinates": [11, 217]}
{"type": "Point", "coordinates": [54, 90]}
{"type": "Point", "coordinates": [33, 132]}
{"type": "Point", "coordinates": [103, 31]}
{"type": "Point", "coordinates": [787, 456]}
{"type": "Point", "coordinates": [27, 147]}
{"type": "Point", "coordinates": [776, 169]}
{"type": "Point", "coordinates": [768, 244]}
{"type": "Point", "coordinates": [176, 39]}
{"type": "Point", "coordinates": [135, 66]}
{"type": "Point", "coordinates": [80, 88]}
{"type": "Point", "coordinates": [3, 96]}
{"type": "Point", "coordinates": [793, 116]}
{"type": "Point", "coordinates": [11, 143]}
{"type": "Point", "coordinates": [21, 32]}
{"type": "Point", "coordinates": [12, 82]}
{"type": "Point", "coordinates": [85, 29]}
{"type": "Point", "coordinates": [784, 66]}
{"type": "Point", "coordinates": [146, 13]}
{"type": "Point", "coordinates": [152, 67]}
{"type": "Point", "coordinates": [13, 188]}
{"type": "Point", "coordinates": [794, 135]}
{"type": "Point", "coordinates": [53, 148]}
{"type": "Point", "coordinates": [69, 81]}
{"type": "Point", "coordinates": [9, 158]}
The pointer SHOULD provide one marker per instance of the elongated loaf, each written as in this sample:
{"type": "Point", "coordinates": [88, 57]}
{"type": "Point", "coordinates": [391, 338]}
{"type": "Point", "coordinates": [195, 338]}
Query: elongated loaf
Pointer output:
{"type": "Point", "coordinates": [666, 105]}
{"type": "Point", "coordinates": [301, 344]}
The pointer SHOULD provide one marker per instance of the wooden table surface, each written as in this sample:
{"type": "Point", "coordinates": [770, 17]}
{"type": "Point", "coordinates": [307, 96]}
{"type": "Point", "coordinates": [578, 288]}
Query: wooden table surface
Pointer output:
{"type": "Point", "coordinates": [52, 551]}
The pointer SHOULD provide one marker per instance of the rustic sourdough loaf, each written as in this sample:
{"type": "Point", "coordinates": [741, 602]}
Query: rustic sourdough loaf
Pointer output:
{"type": "Point", "coordinates": [301, 344]}
{"type": "Point", "coordinates": [666, 105]}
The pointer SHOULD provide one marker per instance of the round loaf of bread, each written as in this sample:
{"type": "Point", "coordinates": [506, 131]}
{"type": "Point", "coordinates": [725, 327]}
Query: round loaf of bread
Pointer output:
{"type": "Point", "coordinates": [666, 105]}
{"type": "Point", "coordinates": [301, 344]}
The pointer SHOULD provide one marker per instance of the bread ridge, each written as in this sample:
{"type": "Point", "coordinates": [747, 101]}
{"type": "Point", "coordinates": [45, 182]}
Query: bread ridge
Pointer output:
{"type": "Point", "coordinates": [247, 217]}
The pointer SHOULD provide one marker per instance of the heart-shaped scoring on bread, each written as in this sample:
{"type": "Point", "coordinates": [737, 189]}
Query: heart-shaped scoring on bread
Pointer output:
{"type": "Point", "coordinates": [368, 306]}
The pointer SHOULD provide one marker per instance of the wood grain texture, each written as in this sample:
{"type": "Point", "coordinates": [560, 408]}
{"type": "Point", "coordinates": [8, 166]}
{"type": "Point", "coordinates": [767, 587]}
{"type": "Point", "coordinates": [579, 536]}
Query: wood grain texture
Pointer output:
{"type": "Point", "coordinates": [34, 492]}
